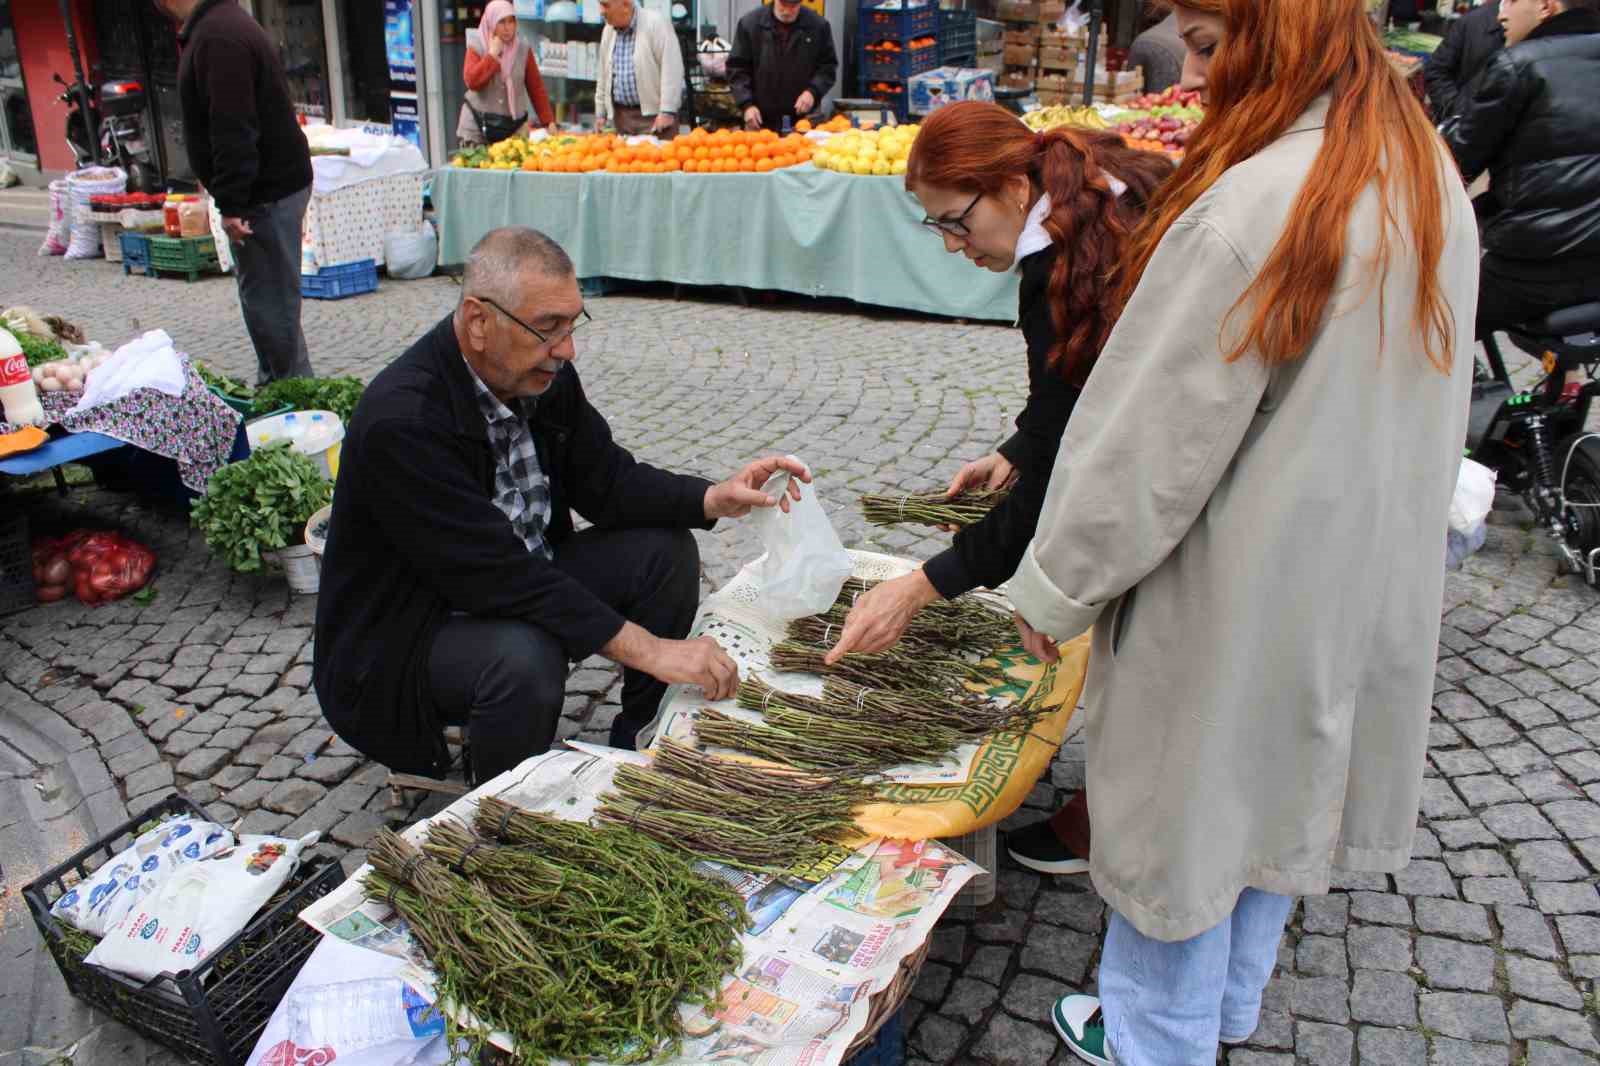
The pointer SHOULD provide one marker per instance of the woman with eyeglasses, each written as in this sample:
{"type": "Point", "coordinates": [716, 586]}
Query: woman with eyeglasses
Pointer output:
{"type": "Point", "coordinates": [1057, 208]}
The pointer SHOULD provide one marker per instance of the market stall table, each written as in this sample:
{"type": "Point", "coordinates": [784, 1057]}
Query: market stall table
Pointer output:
{"type": "Point", "coordinates": [57, 452]}
{"type": "Point", "coordinates": [799, 229]}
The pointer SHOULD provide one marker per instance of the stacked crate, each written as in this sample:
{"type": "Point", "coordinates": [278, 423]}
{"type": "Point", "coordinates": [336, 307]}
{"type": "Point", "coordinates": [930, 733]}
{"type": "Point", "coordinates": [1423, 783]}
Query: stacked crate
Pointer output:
{"type": "Point", "coordinates": [1026, 22]}
{"type": "Point", "coordinates": [958, 38]}
{"type": "Point", "coordinates": [1058, 59]}
{"type": "Point", "coordinates": [894, 43]}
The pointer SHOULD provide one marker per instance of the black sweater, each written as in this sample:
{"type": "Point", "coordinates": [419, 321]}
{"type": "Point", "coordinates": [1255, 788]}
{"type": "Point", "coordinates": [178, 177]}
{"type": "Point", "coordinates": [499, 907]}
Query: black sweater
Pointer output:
{"type": "Point", "coordinates": [245, 145]}
{"type": "Point", "coordinates": [987, 553]}
{"type": "Point", "coordinates": [415, 535]}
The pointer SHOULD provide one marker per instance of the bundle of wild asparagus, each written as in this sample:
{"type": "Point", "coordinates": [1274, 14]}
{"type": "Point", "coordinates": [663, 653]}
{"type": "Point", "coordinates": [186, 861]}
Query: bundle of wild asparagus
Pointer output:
{"type": "Point", "coordinates": [913, 669]}
{"type": "Point", "coordinates": [964, 622]}
{"type": "Point", "coordinates": [825, 743]}
{"type": "Point", "coordinates": [580, 942]}
{"type": "Point", "coordinates": [930, 508]}
{"type": "Point", "coordinates": [970, 716]}
{"type": "Point", "coordinates": [772, 819]}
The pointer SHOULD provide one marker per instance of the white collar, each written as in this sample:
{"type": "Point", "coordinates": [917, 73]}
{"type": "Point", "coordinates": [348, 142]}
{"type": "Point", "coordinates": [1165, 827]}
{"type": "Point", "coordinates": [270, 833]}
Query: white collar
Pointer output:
{"type": "Point", "coordinates": [1034, 237]}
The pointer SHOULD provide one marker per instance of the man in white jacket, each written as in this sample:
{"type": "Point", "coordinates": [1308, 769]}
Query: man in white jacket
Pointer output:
{"type": "Point", "coordinates": [641, 70]}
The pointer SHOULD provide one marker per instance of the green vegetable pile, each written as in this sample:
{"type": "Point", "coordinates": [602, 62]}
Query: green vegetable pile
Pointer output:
{"type": "Point", "coordinates": [38, 350]}
{"type": "Point", "coordinates": [223, 383]}
{"type": "Point", "coordinates": [338, 395]}
{"type": "Point", "coordinates": [581, 942]}
{"type": "Point", "coordinates": [260, 504]}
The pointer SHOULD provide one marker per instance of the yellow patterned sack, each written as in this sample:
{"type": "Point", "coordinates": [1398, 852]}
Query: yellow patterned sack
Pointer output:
{"type": "Point", "coordinates": [1006, 768]}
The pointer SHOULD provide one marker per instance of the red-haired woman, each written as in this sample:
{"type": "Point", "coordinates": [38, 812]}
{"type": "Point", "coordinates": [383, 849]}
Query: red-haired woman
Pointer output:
{"type": "Point", "coordinates": [1247, 506]}
{"type": "Point", "coordinates": [1058, 208]}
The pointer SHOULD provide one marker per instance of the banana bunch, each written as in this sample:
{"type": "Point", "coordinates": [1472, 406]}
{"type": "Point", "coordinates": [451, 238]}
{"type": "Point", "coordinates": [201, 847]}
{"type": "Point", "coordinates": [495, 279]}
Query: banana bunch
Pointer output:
{"type": "Point", "coordinates": [1047, 118]}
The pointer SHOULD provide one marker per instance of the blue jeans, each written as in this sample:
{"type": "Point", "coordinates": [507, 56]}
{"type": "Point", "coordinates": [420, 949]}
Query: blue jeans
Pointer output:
{"type": "Point", "coordinates": [1167, 1004]}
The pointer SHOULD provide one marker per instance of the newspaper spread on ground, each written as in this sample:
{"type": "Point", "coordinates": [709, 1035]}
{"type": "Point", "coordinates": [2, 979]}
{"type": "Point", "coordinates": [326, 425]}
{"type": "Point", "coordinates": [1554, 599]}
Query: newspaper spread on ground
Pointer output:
{"type": "Point", "coordinates": [814, 953]}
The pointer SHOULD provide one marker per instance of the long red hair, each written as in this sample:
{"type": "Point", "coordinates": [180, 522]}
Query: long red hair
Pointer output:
{"type": "Point", "coordinates": [977, 147]}
{"type": "Point", "coordinates": [1275, 58]}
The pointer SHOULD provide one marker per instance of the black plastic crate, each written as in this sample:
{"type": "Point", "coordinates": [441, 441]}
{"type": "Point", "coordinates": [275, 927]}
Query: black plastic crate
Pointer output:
{"type": "Point", "coordinates": [16, 562]}
{"type": "Point", "coordinates": [215, 1012]}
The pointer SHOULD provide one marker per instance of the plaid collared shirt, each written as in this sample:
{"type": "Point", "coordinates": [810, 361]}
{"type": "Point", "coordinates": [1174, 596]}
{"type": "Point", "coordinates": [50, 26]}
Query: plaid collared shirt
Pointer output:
{"type": "Point", "coordinates": [624, 80]}
{"type": "Point", "coordinates": [521, 490]}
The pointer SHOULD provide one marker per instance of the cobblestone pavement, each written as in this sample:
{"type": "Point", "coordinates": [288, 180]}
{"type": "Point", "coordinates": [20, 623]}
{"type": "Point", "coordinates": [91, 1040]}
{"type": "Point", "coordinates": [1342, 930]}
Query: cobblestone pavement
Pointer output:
{"type": "Point", "coordinates": [1485, 951]}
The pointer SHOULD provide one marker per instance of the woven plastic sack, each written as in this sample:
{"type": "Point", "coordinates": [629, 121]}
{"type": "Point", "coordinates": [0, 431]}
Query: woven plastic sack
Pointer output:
{"type": "Point", "coordinates": [410, 256]}
{"type": "Point", "coordinates": [55, 238]}
{"type": "Point", "coordinates": [81, 185]}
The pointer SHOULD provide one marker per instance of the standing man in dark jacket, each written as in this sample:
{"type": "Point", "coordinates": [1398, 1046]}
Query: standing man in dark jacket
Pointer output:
{"type": "Point", "coordinates": [1530, 123]}
{"type": "Point", "coordinates": [249, 152]}
{"type": "Point", "coordinates": [783, 63]}
{"type": "Point", "coordinates": [1467, 46]}
{"type": "Point", "coordinates": [454, 588]}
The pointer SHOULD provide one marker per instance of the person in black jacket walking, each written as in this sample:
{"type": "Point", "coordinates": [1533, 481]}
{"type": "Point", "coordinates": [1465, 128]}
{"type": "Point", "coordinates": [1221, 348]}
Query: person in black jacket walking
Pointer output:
{"type": "Point", "coordinates": [1467, 46]}
{"type": "Point", "coordinates": [1530, 123]}
{"type": "Point", "coordinates": [782, 64]}
{"type": "Point", "coordinates": [454, 588]}
{"type": "Point", "coordinates": [1057, 208]}
{"type": "Point", "coordinates": [247, 149]}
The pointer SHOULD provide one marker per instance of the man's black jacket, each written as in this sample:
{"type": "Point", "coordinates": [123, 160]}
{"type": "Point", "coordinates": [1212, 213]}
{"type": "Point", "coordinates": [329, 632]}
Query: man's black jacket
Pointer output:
{"type": "Point", "coordinates": [1467, 46]}
{"type": "Point", "coordinates": [415, 535]}
{"type": "Point", "coordinates": [987, 553]}
{"type": "Point", "coordinates": [1530, 122]}
{"type": "Point", "coordinates": [245, 145]}
{"type": "Point", "coordinates": [766, 71]}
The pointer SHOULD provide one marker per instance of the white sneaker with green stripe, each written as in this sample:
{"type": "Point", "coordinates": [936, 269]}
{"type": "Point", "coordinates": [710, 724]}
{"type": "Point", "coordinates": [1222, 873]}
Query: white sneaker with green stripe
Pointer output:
{"type": "Point", "coordinates": [1079, 1022]}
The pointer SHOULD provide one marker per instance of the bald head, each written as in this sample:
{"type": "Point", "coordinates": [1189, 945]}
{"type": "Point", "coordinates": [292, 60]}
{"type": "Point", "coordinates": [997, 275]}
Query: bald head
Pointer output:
{"type": "Point", "coordinates": [505, 260]}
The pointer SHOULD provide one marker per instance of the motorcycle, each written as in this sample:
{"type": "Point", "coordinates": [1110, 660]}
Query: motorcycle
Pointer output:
{"type": "Point", "coordinates": [118, 116]}
{"type": "Point", "coordinates": [1535, 440]}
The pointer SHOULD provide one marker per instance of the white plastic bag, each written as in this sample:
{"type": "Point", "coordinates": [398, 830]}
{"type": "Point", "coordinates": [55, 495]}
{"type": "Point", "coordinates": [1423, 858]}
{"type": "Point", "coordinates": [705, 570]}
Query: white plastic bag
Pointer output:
{"type": "Point", "coordinates": [409, 256]}
{"type": "Point", "coordinates": [199, 908]}
{"type": "Point", "coordinates": [1474, 496]}
{"type": "Point", "coordinates": [805, 565]}
{"type": "Point", "coordinates": [99, 902]}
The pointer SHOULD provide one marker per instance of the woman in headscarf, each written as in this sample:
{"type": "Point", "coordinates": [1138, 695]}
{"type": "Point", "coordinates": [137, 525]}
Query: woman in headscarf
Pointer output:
{"type": "Point", "coordinates": [502, 78]}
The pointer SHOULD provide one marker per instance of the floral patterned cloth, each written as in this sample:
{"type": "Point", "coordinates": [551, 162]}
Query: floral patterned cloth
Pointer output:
{"type": "Point", "coordinates": [195, 429]}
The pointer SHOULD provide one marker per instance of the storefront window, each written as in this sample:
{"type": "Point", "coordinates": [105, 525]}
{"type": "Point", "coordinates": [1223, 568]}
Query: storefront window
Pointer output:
{"type": "Point", "coordinates": [296, 25]}
{"type": "Point", "coordinates": [16, 118]}
{"type": "Point", "coordinates": [365, 60]}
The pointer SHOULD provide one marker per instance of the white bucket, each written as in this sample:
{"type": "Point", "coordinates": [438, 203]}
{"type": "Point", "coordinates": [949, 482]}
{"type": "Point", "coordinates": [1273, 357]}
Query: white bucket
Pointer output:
{"type": "Point", "coordinates": [316, 543]}
{"type": "Point", "coordinates": [302, 566]}
{"type": "Point", "coordinates": [315, 434]}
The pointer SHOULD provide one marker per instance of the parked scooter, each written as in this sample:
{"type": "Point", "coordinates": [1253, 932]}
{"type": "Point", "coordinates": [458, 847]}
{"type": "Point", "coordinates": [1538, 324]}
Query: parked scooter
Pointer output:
{"type": "Point", "coordinates": [118, 117]}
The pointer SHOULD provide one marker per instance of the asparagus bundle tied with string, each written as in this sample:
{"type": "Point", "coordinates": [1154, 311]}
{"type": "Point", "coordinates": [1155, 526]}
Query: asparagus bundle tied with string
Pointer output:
{"type": "Point", "coordinates": [964, 622]}
{"type": "Point", "coordinates": [971, 717]}
{"type": "Point", "coordinates": [818, 742]}
{"type": "Point", "coordinates": [901, 669]}
{"type": "Point", "coordinates": [930, 508]}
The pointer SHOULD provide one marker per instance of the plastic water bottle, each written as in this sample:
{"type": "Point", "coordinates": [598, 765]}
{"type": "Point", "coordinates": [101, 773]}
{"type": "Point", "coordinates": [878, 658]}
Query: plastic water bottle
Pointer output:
{"type": "Point", "coordinates": [353, 1015]}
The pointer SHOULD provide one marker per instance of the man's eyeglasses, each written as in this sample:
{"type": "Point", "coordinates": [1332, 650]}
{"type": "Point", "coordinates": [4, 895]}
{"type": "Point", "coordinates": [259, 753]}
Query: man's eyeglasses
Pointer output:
{"type": "Point", "coordinates": [554, 337]}
{"type": "Point", "coordinates": [956, 227]}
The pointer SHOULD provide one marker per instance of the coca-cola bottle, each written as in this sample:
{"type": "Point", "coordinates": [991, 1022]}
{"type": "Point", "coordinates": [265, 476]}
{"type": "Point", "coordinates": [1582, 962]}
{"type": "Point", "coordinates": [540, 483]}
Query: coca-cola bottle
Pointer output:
{"type": "Point", "coordinates": [18, 395]}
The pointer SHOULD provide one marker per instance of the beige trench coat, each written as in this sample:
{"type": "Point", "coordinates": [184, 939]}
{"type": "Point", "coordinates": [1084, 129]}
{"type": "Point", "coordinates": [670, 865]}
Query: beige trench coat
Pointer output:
{"type": "Point", "coordinates": [1261, 554]}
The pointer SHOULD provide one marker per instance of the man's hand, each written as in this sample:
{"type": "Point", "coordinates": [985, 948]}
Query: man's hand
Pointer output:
{"type": "Point", "coordinates": [1042, 647]}
{"type": "Point", "coordinates": [737, 496]}
{"type": "Point", "coordinates": [752, 117]}
{"type": "Point", "coordinates": [664, 122]}
{"type": "Point", "coordinates": [236, 228]}
{"type": "Point", "coordinates": [553, 129]}
{"type": "Point", "coordinates": [804, 103]}
{"type": "Point", "coordinates": [699, 662]}
{"type": "Point", "coordinates": [881, 615]}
